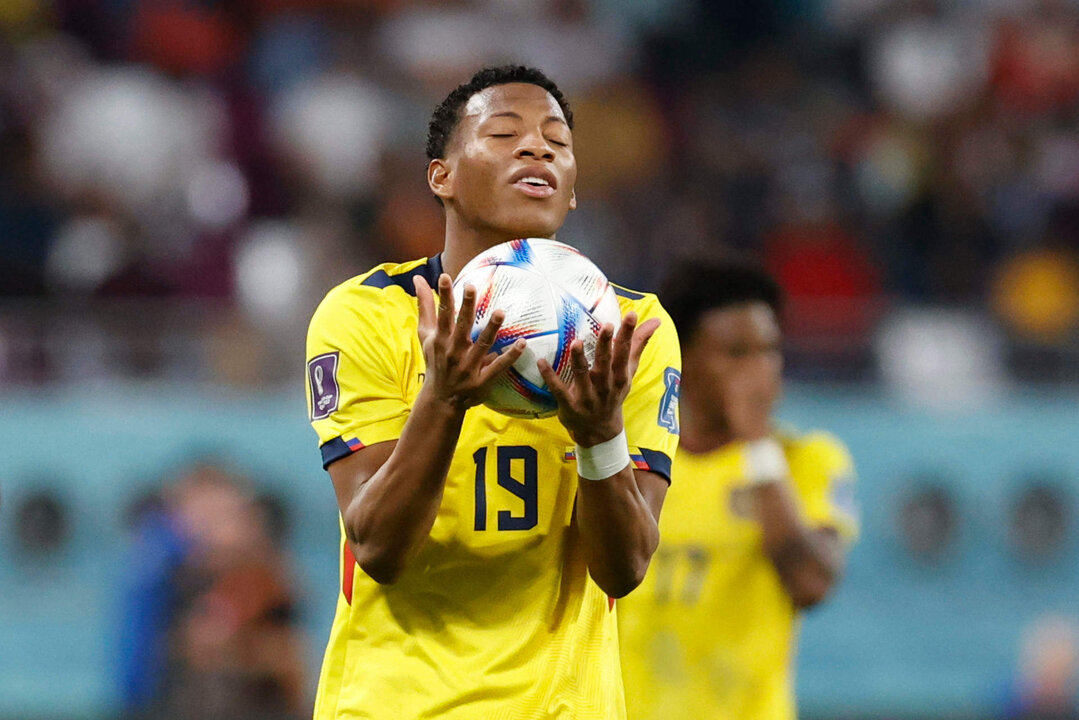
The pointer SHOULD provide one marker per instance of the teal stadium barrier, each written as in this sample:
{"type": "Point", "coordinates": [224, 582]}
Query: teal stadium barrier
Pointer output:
{"type": "Point", "coordinates": [902, 637]}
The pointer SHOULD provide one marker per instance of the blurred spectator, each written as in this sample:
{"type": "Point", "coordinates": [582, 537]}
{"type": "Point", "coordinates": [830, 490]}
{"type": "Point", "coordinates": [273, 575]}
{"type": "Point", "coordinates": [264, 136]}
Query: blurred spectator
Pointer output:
{"type": "Point", "coordinates": [621, 140]}
{"type": "Point", "coordinates": [333, 130]}
{"type": "Point", "coordinates": [927, 67]}
{"type": "Point", "coordinates": [1036, 57]}
{"type": "Point", "coordinates": [183, 38]}
{"type": "Point", "coordinates": [209, 626]}
{"type": "Point", "coordinates": [27, 217]}
{"type": "Point", "coordinates": [1047, 682]}
{"type": "Point", "coordinates": [945, 360]}
{"type": "Point", "coordinates": [832, 286]}
{"type": "Point", "coordinates": [437, 43]}
{"type": "Point", "coordinates": [1036, 293]}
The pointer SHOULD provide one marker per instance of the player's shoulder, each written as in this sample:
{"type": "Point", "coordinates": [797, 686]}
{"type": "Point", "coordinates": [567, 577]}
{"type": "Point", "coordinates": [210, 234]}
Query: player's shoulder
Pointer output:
{"type": "Point", "coordinates": [819, 448]}
{"type": "Point", "coordinates": [385, 285]}
{"type": "Point", "coordinates": [394, 277]}
{"type": "Point", "coordinates": [645, 304]}
{"type": "Point", "coordinates": [387, 280]}
{"type": "Point", "coordinates": [663, 353]}
{"type": "Point", "coordinates": [630, 299]}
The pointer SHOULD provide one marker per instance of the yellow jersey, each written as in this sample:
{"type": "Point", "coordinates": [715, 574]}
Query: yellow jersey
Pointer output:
{"type": "Point", "coordinates": [496, 617]}
{"type": "Point", "coordinates": [710, 633]}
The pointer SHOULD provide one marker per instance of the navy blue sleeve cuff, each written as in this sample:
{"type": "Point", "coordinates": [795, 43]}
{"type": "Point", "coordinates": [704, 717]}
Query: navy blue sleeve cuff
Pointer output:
{"type": "Point", "coordinates": [658, 462]}
{"type": "Point", "coordinates": [334, 450]}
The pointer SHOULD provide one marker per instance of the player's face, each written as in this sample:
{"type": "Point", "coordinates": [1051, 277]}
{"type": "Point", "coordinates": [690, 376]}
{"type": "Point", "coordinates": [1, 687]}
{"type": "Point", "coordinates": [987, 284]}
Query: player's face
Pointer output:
{"type": "Point", "coordinates": [510, 167]}
{"type": "Point", "coordinates": [735, 355]}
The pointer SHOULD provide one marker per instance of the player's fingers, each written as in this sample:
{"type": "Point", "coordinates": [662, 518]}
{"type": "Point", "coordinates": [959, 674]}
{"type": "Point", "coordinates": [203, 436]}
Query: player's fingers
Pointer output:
{"type": "Point", "coordinates": [445, 304]}
{"type": "Point", "coordinates": [578, 362]}
{"type": "Point", "coordinates": [486, 338]}
{"type": "Point", "coordinates": [623, 343]}
{"type": "Point", "coordinates": [640, 341]}
{"type": "Point", "coordinates": [502, 362]}
{"type": "Point", "coordinates": [601, 360]}
{"type": "Point", "coordinates": [554, 383]}
{"type": "Point", "coordinates": [426, 304]}
{"type": "Point", "coordinates": [463, 328]}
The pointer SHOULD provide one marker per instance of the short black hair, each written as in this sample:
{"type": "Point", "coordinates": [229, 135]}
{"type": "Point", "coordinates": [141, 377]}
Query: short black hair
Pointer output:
{"type": "Point", "coordinates": [447, 115]}
{"type": "Point", "coordinates": [695, 286]}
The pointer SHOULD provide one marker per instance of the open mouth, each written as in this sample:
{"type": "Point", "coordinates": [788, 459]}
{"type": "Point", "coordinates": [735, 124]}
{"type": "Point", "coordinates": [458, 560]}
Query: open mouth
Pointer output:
{"type": "Point", "coordinates": [534, 186]}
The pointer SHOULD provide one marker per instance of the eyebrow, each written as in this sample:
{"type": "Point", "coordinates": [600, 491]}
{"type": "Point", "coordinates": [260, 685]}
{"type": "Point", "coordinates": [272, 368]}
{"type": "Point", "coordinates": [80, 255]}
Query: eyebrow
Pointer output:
{"type": "Point", "coordinates": [516, 116]}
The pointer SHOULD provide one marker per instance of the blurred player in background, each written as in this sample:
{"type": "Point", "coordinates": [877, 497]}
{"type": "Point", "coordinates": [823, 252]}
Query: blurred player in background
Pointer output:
{"type": "Point", "coordinates": [477, 564]}
{"type": "Point", "coordinates": [756, 528]}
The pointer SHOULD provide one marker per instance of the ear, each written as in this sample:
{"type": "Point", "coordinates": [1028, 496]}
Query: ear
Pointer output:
{"type": "Point", "coordinates": [440, 179]}
{"type": "Point", "coordinates": [573, 199]}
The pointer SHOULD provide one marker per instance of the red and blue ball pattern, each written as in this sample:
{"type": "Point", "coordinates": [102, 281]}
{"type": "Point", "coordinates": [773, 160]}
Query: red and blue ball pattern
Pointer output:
{"type": "Point", "coordinates": [552, 295]}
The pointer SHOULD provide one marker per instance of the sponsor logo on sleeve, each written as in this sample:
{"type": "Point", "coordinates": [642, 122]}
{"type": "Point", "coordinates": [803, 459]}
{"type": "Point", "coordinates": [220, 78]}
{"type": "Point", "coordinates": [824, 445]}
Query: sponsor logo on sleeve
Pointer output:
{"type": "Point", "coordinates": [322, 380]}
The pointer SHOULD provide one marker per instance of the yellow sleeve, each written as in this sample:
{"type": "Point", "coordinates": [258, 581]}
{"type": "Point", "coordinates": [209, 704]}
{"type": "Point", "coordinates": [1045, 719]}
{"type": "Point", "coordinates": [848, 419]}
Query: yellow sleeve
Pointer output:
{"type": "Point", "coordinates": [356, 359]}
{"type": "Point", "coordinates": [651, 410]}
{"type": "Point", "coordinates": [823, 473]}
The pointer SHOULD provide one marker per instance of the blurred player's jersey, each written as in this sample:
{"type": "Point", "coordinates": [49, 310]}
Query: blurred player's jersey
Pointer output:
{"type": "Point", "coordinates": [496, 617]}
{"type": "Point", "coordinates": [710, 633]}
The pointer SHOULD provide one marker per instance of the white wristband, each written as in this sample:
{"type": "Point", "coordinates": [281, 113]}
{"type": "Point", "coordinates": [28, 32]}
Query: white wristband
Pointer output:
{"type": "Point", "coordinates": [765, 461]}
{"type": "Point", "coordinates": [600, 462]}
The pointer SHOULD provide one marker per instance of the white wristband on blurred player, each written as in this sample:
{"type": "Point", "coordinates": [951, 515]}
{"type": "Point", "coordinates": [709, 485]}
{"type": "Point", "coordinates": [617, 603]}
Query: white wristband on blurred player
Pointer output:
{"type": "Point", "coordinates": [601, 461]}
{"type": "Point", "coordinates": [765, 461]}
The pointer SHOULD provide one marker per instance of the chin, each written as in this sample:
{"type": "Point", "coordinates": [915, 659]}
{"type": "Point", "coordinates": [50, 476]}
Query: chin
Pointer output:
{"type": "Point", "coordinates": [534, 227]}
{"type": "Point", "coordinates": [534, 234]}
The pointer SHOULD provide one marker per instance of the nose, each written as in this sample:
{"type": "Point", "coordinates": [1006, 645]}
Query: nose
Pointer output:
{"type": "Point", "coordinates": [534, 145]}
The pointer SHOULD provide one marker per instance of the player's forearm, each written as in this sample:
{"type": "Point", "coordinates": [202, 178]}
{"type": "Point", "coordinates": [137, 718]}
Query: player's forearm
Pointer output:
{"type": "Point", "coordinates": [391, 516]}
{"type": "Point", "coordinates": [807, 563]}
{"type": "Point", "coordinates": [618, 531]}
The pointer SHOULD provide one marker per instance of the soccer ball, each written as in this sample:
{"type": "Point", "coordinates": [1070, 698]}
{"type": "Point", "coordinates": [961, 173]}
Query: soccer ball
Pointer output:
{"type": "Point", "coordinates": [552, 295]}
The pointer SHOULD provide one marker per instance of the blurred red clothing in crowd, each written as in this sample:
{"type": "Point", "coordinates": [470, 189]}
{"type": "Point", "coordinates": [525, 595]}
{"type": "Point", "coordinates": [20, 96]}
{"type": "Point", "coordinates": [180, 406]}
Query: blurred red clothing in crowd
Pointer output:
{"type": "Point", "coordinates": [832, 285]}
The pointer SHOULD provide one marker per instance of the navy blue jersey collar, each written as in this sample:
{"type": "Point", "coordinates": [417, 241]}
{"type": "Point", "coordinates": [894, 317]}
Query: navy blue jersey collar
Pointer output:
{"type": "Point", "coordinates": [430, 271]}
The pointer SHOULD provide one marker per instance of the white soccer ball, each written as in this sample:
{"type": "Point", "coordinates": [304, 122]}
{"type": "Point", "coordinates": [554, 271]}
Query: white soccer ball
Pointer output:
{"type": "Point", "coordinates": [552, 295]}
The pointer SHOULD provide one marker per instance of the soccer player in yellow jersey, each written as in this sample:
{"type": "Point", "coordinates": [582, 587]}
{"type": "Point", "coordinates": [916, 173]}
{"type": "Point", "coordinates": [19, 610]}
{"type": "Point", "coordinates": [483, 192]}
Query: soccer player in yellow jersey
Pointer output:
{"type": "Point", "coordinates": [755, 529]}
{"type": "Point", "coordinates": [480, 553]}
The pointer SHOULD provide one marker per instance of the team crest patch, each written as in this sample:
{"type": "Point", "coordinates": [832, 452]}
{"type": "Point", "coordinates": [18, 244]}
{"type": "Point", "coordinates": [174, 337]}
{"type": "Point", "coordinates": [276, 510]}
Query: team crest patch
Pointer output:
{"type": "Point", "coordinates": [668, 406]}
{"type": "Point", "coordinates": [322, 381]}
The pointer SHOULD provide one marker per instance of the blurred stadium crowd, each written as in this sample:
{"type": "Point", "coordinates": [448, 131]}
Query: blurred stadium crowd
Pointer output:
{"type": "Point", "coordinates": [182, 180]}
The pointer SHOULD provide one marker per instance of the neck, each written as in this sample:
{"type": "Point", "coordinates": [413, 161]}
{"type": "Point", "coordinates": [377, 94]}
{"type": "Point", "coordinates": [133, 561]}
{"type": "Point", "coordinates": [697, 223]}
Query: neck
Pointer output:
{"type": "Point", "coordinates": [465, 241]}
{"type": "Point", "coordinates": [702, 429]}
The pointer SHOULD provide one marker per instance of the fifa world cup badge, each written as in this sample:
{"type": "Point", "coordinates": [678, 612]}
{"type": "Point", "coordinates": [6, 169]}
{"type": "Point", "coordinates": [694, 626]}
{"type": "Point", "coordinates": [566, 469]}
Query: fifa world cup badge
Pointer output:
{"type": "Point", "coordinates": [322, 380]}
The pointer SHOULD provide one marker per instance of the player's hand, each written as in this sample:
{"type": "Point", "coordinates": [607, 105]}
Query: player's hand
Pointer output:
{"type": "Point", "coordinates": [590, 405]}
{"type": "Point", "coordinates": [750, 398]}
{"type": "Point", "coordinates": [459, 371]}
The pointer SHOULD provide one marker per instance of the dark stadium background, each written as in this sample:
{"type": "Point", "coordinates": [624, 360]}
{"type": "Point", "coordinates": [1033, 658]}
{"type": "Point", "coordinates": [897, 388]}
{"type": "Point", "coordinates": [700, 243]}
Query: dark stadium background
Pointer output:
{"type": "Point", "coordinates": [182, 180]}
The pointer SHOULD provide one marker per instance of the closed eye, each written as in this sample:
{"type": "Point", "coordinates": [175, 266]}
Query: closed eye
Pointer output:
{"type": "Point", "coordinates": [558, 143]}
